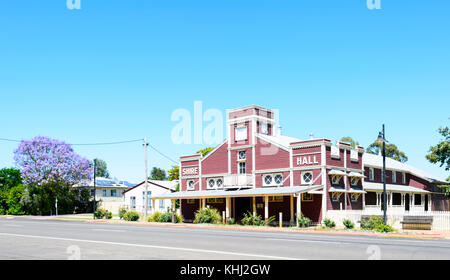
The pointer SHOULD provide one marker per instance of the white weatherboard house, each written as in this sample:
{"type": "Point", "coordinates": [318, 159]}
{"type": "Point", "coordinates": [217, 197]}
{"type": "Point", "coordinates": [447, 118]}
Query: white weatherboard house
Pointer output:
{"type": "Point", "coordinates": [108, 192]}
{"type": "Point", "coordinates": [135, 196]}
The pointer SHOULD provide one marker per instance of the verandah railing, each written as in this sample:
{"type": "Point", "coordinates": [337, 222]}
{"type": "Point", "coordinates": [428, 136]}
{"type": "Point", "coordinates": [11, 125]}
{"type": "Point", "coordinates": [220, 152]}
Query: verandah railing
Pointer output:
{"type": "Point", "coordinates": [441, 219]}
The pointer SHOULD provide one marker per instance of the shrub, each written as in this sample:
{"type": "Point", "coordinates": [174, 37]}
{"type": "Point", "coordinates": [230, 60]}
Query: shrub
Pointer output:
{"type": "Point", "coordinates": [108, 215]}
{"type": "Point", "coordinates": [329, 223]}
{"type": "Point", "coordinates": [154, 217]}
{"type": "Point", "coordinates": [372, 223]}
{"type": "Point", "coordinates": [255, 220]}
{"type": "Point", "coordinates": [303, 222]}
{"type": "Point", "coordinates": [100, 213]}
{"type": "Point", "coordinates": [165, 218]}
{"type": "Point", "coordinates": [122, 212]}
{"type": "Point", "coordinates": [207, 216]}
{"type": "Point", "coordinates": [131, 216]}
{"type": "Point", "coordinates": [348, 224]}
{"type": "Point", "coordinates": [384, 228]}
{"type": "Point", "coordinates": [231, 221]}
{"type": "Point", "coordinates": [159, 217]}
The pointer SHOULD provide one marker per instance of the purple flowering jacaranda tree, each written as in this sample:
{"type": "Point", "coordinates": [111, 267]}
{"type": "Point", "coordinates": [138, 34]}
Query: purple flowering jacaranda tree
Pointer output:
{"type": "Point", "coordinates": [49, 161]}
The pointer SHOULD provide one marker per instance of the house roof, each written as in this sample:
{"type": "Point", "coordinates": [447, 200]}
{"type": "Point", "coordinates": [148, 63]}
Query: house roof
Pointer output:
{"type": "Point", "coordinates": [377, 161]}
{"type": "Point", "coordinates": [275, 191]}
{"type": "Point", "coordinates": [105, 182]}
{"type": "Point", "coordinates": [389, 187]}
{"type": "Point", "coordinates": [279, 140]}
{"type": "Point", "coordinates": [168, 185]}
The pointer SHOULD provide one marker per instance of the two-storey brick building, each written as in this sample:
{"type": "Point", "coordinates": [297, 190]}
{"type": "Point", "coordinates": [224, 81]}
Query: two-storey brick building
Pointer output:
{"type": "Point", "coordinates": [261, 171]}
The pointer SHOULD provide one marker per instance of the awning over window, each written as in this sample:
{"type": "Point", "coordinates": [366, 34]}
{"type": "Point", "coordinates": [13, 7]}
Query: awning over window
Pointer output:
{"type": "Point", "coordinates": [337, 189]}
{"type": "Point", "coordinates": [356, 174]}
{"type": "Point", "coordinates": [337, 172]}
{"type": "Point", "coordinates": [277, 191]}
{"type": "Point", "coordinates": [392, 188]}
{"type": "Point", "coordinates": [356, 190]}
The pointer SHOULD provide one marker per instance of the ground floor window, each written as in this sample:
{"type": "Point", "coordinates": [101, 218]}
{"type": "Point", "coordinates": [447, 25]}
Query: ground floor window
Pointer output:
{"type": "Point", "coordinates": [396, 199]}
{"type": "Point", "coordinates": [215, 200]}
{"type": "Point", "coordinates": [307, 197]}
{"type": "Point", "coordinates": [417, 199]}
{"type": "Point", "coordinates": [371, 198]}
{"type": "Point", "coordinates": [276, 198]}
{"type": "Point", "coordinates": [162, 204]}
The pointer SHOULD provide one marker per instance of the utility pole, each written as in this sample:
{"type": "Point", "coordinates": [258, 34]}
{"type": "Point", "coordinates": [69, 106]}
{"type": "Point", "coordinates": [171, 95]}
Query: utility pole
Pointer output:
{"type": "Point", "coordinates": [93, 205]}
{"type": "Point", "coordinates": [146, 178]}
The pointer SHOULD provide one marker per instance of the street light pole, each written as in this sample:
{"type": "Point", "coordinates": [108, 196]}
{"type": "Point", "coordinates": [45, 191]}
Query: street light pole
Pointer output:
{"type": "Point", "coordinates": [382, 139]}
{"type": "Point", "coordinates": [146, 178]}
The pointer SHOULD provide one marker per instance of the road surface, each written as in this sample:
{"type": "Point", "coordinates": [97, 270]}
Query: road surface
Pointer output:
{"type": "Point", "coordinates": [28, 238]}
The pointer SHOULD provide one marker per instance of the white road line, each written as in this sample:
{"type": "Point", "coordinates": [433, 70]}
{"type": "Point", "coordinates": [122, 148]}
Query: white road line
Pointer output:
{"type": "Point", "coordinates": [151, 246]}
{"type": "Point", "coordinates": [108, 230]}
{"type": "Point", "coordinates": [306, 241]}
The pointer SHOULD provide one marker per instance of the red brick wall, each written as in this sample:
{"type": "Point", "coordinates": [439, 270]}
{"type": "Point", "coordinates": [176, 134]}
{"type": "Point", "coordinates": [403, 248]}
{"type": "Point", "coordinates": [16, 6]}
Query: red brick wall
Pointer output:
{"type": "Point", "coordinates": [216, 162]}
{"type": "Point", "coordinates": [279, 159]}
{"type": "Point", "coordinates": [332, 161]}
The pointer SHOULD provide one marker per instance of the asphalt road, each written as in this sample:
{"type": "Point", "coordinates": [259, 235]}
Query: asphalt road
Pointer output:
{"type": "Point", "coordinates": [26, 238]}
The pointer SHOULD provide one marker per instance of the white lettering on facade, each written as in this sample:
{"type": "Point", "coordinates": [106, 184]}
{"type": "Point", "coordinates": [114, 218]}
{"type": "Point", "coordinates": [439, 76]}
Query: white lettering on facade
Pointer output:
{"type": "Point", "coordinates": [190, 171]}
{"type": "Point", "coordinates": [307, 160]}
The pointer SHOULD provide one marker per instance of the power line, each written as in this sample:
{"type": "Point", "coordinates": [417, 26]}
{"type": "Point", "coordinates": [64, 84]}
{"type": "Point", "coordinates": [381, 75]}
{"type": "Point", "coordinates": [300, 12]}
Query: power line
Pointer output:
{"type": "Point", "coordinates": [83, 144]}
{"type": "Point", "coordinates": [104, 144]}
{"type": "Point", "coordinates": [162, 154]}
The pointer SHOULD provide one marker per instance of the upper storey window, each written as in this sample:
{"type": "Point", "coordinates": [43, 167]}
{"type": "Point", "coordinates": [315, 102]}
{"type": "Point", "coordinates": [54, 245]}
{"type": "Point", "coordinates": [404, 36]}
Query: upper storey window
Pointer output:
{"type": "Point", "coordinates": [264, 128]}
{"type": "Point", "coordinates": [354, 155]}
{"type": "Point", "coordinates": [394, 177]}
{"type": "Point", "coordinates": [242, 155]}
{"type": "Point", "coordinates": [241, 133]}
{"type": "Point", "coordinates": [371, 177]}
{"type": "Point", "coordinates": [335, 152]}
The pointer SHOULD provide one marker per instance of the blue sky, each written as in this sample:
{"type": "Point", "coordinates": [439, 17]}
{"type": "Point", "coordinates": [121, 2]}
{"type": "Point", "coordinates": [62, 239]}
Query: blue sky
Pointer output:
{"type": "Point", "coordinates": [116, 70]}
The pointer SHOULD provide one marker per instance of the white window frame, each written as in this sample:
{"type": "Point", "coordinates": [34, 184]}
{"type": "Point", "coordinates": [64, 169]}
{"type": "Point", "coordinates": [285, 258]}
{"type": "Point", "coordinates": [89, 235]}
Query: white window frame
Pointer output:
{"type": "Point", "coordinates": [240, 133]}
{"type": "Point", "coordinates": [394, 176]}
{"type": "Point", "coordinates": [239, 167]}
{"type": "Point", "coordinates": [208, 185]}
{"type": "Point", "coordinates": [215, 186]}
{"type": "Point", "coordinates": [239, 154]}
{"type": "Point", "coordinates": [273, 183]}
{"type": "Point", "coordinates": [264, 179]}
{"type": "Point", "coordinates": [188, 187]}
{"type": "Point", "coordinates": [264, 128]}
{"type": "Point", "coordinates": [162, 204]}
{"type": "Point", "coordinates": [371, 174]}
{"type": "Point", "coordinates": [335, 152]}
{"type": "Point", "coordinates": [354, 155]}
{"type": "Point", "coordinates": [303, 180]}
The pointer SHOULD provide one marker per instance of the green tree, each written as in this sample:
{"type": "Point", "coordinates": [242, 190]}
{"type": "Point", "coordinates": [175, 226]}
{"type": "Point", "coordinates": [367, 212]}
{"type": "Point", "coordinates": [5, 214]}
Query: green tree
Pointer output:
{"type": "Point", "coordinates": [391, 151]}
{"type": "Point", "coordinates": [205, 151]}
{"type": "Point", "coordinates": [446, 187]}
{"type": "Point", "coordinates": [10, 177]}
{"type": "Point", "coordinates": [158, 174]}
{"type": "Point", "coordinates": [350, 141]}
{"type": "Point", "coordinates": [174, 173]}
{"type": "Point", "coordinates": [101, 168]}
{"type": "Point", "coordinates": [440, 154]}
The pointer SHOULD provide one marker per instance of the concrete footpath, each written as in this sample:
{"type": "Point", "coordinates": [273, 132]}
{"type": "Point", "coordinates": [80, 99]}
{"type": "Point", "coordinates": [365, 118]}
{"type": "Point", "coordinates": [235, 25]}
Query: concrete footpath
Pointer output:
{"type": "Point", "coordinates": [317, 230]}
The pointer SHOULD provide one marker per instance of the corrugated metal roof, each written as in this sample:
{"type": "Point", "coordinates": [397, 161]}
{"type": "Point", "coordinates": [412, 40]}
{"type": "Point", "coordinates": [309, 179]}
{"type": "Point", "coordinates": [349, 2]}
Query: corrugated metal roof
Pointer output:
{"type": "Point", "coordinates": [377, 161]}
{"type": "Point", "coordinates": [237, 193]}
{"type": "Point", "coordinates": [392, 188]}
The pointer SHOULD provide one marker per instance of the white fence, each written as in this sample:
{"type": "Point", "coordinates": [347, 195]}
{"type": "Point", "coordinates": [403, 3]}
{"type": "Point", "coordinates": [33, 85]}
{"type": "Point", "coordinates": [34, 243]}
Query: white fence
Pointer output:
{"type": "Point", "coordinates": [441, 219]}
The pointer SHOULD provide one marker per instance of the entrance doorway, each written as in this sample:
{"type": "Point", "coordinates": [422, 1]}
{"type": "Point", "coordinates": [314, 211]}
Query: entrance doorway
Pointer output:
{"type": "Point", "coordinates": [242, 205]}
